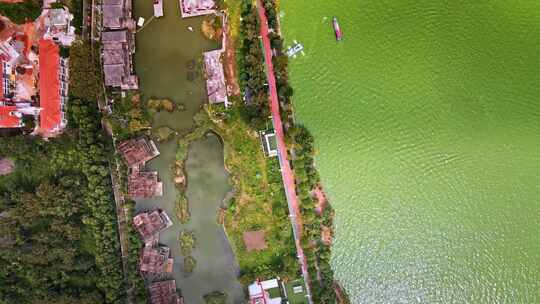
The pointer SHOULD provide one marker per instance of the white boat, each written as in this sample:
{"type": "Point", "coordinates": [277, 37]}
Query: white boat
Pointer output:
{"type": "Point", "coordinates": [140, 22]}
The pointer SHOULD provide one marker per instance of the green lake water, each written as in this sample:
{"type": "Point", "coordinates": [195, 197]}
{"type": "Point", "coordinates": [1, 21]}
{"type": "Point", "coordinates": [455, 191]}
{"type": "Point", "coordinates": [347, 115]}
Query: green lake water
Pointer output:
{"type": "Point", "coordinates": [168, 65]}
{"type": "Point", "coordinates": [427, 123]}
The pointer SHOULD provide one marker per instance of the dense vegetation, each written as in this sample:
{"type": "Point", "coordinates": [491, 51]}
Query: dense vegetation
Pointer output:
{"type": "Point", "coordinates": [60, 243]}
{"type": "Point", "coordinates": [252, 70]}
{"type": "Point", "coordinates": [26, 11]}
{"type": "Point", "coordinates": [85, 79]}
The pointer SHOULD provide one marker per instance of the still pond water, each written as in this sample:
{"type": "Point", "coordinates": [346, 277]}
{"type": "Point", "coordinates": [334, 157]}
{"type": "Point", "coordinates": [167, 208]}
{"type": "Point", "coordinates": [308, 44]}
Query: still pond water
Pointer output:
{"type": "Point", "coordinates": [168, 64]}
{"type": "Point", "coordinates": [427, 123]}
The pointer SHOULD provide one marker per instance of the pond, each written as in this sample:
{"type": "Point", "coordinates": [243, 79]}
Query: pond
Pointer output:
{"type": "Point", "coordinates": [168, 65]}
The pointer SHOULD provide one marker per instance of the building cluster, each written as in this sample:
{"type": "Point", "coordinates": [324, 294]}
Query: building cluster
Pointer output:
{"type": "Point", "coordinates": [265, 292]}
{"type": "Point", "coordinates": [155, 259]}
{"type": "Point", "coordinates": [276, 291]}
{"type": "Point", "coordinates": [136, 152]}
{"type": "Point", "coordinates": [118, 40]}
{"type": "Point", "coordinates": [35, 77]}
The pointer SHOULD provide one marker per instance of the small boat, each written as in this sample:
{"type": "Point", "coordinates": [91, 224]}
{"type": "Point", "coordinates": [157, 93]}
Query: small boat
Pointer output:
{"type": "Point", "coordinates": [337, 30]}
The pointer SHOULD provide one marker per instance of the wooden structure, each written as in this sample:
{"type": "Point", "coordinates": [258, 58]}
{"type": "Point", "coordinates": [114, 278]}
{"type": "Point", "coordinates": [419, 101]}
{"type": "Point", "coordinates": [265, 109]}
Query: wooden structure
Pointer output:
{"type": "Point", "coordinates": [150, 223]}
{"type": "Point", "coordinates": [164, 292]}
{"type": "Point", "coordinates": [136, 152]}
{"type": "Point", "coordinates": [156, 260]}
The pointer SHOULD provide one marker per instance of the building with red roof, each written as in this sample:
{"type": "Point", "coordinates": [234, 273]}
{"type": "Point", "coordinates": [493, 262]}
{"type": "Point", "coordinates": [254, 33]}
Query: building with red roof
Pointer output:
{"type": "Point", "coordinates": [10, 117]}
{"type": "Point", "coordinates": [52, 89]}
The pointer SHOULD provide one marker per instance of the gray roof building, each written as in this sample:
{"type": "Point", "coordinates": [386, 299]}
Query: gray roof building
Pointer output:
{"type": "Point", "coordinates": [117, 59]}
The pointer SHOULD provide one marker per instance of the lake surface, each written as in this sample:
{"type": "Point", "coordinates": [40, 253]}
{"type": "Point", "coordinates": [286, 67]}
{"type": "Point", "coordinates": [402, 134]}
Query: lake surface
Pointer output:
{"type": "Point", "coordinates": [427, 122]}
{"type": "Point", "coordinates": [168, 65]}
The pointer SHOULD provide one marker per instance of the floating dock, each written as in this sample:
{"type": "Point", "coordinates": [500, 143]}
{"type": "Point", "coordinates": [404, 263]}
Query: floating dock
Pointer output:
{"type": "Point", "coordinates": [295, 49]}
{"type": "Point", "coordinates": [158, 8]}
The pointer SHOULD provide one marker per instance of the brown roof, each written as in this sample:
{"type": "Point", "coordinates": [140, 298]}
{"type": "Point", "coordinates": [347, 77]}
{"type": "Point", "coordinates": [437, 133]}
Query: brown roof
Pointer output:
{"type": "Point", "coordinates": [254, 240]}
{"type": "Point", "coordinates": [112, 2]}
{"type": "Point", "coordinates": [144, 185]}
{"type": "Point", "coordinates": [164, 292]}
{"type": "Point", "coordinates": [114, 36]}
{"type": "Point", "coordinates": [150, 223]}
{"type": "Point", "coordinates": [137, 151]}
{"type": "Point", "coordinates": [113, 74]}
{"type": "Point", "coordinates": [155, 260]}
{"type": "Point", "coordinates": [112, 16]}
{"type": "Point", "coordinates": [113, 56]}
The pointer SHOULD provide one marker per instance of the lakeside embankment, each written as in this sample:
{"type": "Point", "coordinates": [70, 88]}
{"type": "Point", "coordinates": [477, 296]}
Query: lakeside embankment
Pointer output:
{"type": "Point", "coordinates": [299, 143]}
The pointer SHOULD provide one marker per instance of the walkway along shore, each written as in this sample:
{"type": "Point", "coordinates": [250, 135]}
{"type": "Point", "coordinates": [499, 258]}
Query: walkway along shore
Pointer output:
{"type": "Point", "coordinates": [286, 171]}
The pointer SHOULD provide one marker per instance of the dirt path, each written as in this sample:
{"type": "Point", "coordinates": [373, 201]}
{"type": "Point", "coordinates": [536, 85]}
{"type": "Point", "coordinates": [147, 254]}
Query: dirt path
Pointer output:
{"type": "Point", "coordinates": [229, 60]}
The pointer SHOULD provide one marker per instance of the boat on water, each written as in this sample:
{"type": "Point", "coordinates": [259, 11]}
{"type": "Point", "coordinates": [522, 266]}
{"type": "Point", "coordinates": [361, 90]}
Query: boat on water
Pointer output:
{"type": "Point", "coordinates": [337, 30]}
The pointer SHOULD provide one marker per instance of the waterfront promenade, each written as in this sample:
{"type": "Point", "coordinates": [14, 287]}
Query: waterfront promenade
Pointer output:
{"type": "Point", "coordinates": [286, 171]}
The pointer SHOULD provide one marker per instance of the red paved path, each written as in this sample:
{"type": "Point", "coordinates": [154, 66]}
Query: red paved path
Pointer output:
{"type": "Point", "coordinates": [286, 171]}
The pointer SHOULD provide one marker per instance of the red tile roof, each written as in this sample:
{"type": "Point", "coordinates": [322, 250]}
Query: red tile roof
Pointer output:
{"type": "Point", "coordinates": [49, 87]}
{"type": "Point", "coordinates": [7, 119]}
{"type": "Point", "coordinates": [1, 76]}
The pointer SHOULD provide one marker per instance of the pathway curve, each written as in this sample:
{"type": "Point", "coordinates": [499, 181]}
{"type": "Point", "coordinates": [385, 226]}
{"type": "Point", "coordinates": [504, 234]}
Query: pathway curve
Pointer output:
{"type": "Point", "coordinates": [286, 171]}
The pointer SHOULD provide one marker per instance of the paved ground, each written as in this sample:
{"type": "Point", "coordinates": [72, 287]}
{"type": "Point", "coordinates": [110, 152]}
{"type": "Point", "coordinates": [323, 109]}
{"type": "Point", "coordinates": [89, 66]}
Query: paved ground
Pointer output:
{"type": "Point", "coordinates": [286, 171]}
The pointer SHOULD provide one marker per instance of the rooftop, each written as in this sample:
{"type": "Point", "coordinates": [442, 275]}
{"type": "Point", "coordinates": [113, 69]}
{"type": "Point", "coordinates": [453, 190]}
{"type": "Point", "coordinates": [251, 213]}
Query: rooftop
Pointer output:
{"type": "Point", "coordinates": [137, 151]}
{"type": "Point", "coordinates": [144, 185]}
{"type": "Point", "coordinates": [265, 292]}
{"type": "Point", "coordinates": [114, 36]}
{"type": "Point", "coordinates": [49, 88]}
{"type": "Point", "coordinates": [155, 260]}
{"type": "Point", "coordinates": [164, 292]}
{"type": "Point", "coordinates": [112, 16]}
{"type": "Point", "coordinates": [113, 2]}
{"type": "Point", "coordinates": [150, 223]}
{"type": "Point", "coordinates": [192, 8]}
{"type": "Point", "coordinates": [113, 56]}
{"type": "Point", "coordinates": [9, 117]}
{"type": "Point", "coordinates": [215, 77]}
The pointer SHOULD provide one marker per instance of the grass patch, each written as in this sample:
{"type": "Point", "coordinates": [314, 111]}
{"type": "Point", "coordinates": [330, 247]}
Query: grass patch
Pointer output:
{"type": "Point", "coordinates": [259, 202]}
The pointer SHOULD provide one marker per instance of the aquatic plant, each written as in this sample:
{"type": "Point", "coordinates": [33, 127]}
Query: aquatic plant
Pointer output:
{"type": "Point", "coordinates": [215, 297]}
{"type": "Point", "coordinates": [182, 209]}
{"type": "Point", "coordinates": [189, 264]}
{"type": "Point", "coordinates": [187, 242]}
